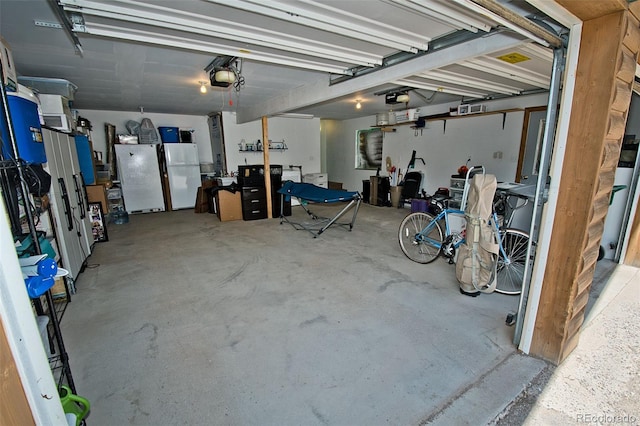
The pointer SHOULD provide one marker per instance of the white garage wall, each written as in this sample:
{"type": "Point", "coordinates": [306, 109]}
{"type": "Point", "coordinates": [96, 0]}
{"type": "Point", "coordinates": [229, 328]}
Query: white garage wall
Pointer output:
{"type": "Point", "coordinates": [302, 137]}
{"type": "Point", "coordinates": [119, 119]}
{"type": "Point", "coordinates": [475, 137]}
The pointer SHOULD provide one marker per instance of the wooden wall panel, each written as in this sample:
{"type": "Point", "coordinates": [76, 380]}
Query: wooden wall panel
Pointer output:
{"type": "Point", "coordinates": [588, 10]}
{"type": "Point", "coordinates": [632, 256]}
{"type": "Point", "coordinates": [597, 125]}
{"type": "Point", "coordinates": [14, 407]}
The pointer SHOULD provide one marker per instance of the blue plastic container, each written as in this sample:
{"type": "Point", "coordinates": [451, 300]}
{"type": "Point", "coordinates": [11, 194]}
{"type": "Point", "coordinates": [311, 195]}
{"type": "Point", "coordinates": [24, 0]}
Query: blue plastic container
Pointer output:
{"type": "Point", "coordinates": [418, 205]}
{"type": "Point", "coordinates": [169, 134]}
{"type": "Point", "coordinates": [85, 158]}
{"type": "Point", "coordinates": [26, 127]}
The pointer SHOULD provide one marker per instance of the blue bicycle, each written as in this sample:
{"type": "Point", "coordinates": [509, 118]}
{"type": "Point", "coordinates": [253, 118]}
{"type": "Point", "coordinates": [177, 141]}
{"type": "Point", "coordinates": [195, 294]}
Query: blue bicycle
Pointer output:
{"type": "Point", "coordinates": [423, 237]}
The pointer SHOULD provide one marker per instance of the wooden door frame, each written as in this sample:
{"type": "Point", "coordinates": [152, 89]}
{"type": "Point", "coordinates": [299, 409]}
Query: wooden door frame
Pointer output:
{"type": "Point", "coordinates": [523, 138]}
{"type": "Point", "coordinates": [597, 121]}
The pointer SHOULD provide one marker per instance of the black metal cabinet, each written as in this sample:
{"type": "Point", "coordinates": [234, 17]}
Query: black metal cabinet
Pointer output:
{"type": "Point", "coordinates": [254, 203]}
{"type": "Point", "coordinates": [254, 195]}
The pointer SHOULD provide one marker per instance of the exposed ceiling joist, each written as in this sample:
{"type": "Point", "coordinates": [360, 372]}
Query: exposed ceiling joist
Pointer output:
{"type": "Point", "coordinates": [298, 55]}
{"type": "Point", "coordinates": [165, 18]}
{"type": "Point", "coordinates": [474, 82]}
{"type": "Point", "coordinates": [321, 91]}
{"type": "Point", "coordinates": [513, 21]}
{"type": "Point", "coordinates": [497, 67]}
{"type": "Point", "coordinates": [446, 13]}
{"type": "Point", "coordinates": [336, 21]}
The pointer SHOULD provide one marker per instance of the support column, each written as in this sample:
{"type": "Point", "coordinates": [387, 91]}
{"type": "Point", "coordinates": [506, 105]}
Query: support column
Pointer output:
{"type": "Point", "coordinates": [604, 80]}
{"type": "Point", "coordinates": [267, 165]}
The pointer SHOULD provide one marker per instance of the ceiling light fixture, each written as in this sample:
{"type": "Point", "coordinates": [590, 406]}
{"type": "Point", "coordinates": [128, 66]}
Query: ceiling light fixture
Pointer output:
{"type": "Point", "coordinates": [225, 76]}
{"type": "Point", "coordinates": [358, 104]}
{"type": "Point", "coordinates": [203, 87]}
{"type": "Point", "coordinates": [403, 98]}
{"type": "Point", "coordinates": [295, 115]}
{"type": "Point", "coordinates": [393, 98]}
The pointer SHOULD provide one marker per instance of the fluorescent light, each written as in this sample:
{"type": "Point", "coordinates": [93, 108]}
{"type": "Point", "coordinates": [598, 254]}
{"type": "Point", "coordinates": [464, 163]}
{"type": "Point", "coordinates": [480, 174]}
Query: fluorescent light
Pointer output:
{"type": "Point", "coordinates": [295, 115]}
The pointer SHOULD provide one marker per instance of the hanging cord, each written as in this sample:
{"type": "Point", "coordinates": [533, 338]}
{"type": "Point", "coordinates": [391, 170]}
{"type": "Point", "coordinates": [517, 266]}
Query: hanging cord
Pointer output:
{"type": "Point", "coordinates": [78, 233]}
{"type": "Point", "coordinates": [237, 70]}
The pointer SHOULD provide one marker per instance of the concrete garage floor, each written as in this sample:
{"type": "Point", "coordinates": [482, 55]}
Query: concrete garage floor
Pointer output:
{"type": "Point", "coordinates": [183, 319]}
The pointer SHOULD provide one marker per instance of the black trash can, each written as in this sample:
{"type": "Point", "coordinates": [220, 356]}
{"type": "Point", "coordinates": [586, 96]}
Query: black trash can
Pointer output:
{"type": "Point", "coordinates": [366, 190]}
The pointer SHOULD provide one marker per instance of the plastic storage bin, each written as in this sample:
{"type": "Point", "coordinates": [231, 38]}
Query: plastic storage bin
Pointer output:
{"type": "Point", "coordinates": [169, 134]}
{"type": "Point", "coordinates": [27, 130]}
{"type": "Point", "coordinates": [419, 205]}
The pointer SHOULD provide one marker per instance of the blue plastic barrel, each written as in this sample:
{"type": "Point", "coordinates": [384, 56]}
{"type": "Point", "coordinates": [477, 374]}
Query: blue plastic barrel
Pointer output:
{"type": "Point", "coordinates": [27, 130]}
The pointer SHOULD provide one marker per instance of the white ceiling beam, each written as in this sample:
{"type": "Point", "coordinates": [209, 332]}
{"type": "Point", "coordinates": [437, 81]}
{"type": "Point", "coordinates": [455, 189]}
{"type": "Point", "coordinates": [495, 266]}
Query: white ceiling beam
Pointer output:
{"type": "Point", "coordinates": [539, 52]}
{"type": "Point", "coordinates": [370, 24]}
{"type": "Point", "coordinates": [439, 87]}
{"type": "Point", "coordinates": [556, 12]}
{"type": "Point", "coordinates": [509, 71]}
{"type": "Point", "coordinates": [473, 82]}
{"type": "Point", "coordinates": [164, 17]}
{"type": "Point", "coordinates": [469, 4]}
{"type": "Point", "coordinates": [344, 28]}
{"type": "Point", "coordinates": [444, 14]}
{"type": "Point", "coordinates": [322, 91]}
{"type": "Point", "coordinates": [214, 49]}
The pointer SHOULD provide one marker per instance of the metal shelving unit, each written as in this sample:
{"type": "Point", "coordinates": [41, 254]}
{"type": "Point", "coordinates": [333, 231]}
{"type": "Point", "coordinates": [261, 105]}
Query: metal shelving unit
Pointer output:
{"type": "Point", "coordinates": [60, 361]}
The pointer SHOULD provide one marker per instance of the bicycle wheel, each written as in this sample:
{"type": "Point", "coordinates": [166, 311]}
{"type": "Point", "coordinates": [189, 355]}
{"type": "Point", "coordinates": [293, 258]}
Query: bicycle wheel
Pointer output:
{"type": "Point", "coordinates": [511, 270]}
{"type": "Point", "coordinates": [420, 237]}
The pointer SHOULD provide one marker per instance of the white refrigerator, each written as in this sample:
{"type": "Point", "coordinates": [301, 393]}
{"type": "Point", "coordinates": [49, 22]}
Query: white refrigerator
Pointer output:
{"type": "Point", "coordinates": [139, 173]}
{"type": "Point", "coordinates": [183, 170]}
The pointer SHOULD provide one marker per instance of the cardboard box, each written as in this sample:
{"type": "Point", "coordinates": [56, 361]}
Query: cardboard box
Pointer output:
{"type": "Point", "coordinates": [228, 206]}
{"type": "Point", "coordinates": [8, 67]}
{"type": "Point", "coordinates": [411, 114]}
{"type": "Point", "coordinates": [202, 197]}
{"type": "Point", "coordinates": [98, 194]}
{"type": "Point", "coordinates": [335, 185]}
{"type": "Point", "coordinates": [59, 289]}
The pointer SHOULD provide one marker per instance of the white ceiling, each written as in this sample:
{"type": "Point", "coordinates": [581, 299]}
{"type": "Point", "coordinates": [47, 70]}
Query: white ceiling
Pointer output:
{"type": "Point", "coordinates": [153, 54]}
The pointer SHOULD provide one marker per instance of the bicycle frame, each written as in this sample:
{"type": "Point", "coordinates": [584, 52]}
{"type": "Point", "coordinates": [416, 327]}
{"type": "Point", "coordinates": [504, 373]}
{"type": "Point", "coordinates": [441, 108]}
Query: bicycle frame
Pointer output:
{"type": "Point", "coordinates": [444, 214]}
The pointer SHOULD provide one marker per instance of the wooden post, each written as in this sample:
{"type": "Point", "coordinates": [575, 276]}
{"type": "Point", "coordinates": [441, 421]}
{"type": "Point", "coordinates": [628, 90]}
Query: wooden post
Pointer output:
{"type": "Point", "coordinates": [632, 256]}
{"type": "Point", "coordinates": [604, 80]}
{"type": "Point", "coordinates": [14, 406]}
{"type": "Point", "coordinates": [267, 165]}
